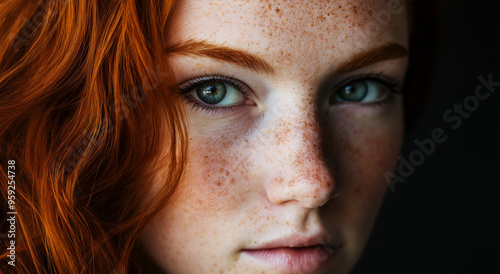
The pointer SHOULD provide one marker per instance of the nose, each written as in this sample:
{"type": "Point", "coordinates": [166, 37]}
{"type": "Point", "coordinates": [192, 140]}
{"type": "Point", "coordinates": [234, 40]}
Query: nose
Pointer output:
{"type": "Point", "coordinates": [298, 169]}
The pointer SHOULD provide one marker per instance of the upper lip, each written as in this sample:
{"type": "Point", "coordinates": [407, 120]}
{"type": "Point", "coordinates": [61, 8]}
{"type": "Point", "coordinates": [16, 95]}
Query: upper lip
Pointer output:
{"type": "Point", "coordinates": [297, 241]}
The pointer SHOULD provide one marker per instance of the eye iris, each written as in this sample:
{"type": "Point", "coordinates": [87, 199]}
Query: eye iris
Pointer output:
{"type": "Point", "coordinates": [211, 93]}
{"type": "Point", "coordinates": [354, 92]}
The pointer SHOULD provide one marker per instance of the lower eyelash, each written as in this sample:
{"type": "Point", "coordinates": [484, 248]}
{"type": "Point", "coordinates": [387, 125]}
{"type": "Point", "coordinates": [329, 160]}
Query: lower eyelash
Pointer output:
{"type": "Point", "coordinates": [395, 87]}
{"type": "Point", "coordinates": [207, 109]}
{"type": "Point", "coordinates": [185, 87]}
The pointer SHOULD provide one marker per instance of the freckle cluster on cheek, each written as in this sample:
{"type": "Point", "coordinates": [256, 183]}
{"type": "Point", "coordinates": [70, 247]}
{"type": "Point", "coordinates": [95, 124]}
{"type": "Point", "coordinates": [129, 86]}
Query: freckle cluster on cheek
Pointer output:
{"type": "Point", "coordinates": [220, 170]}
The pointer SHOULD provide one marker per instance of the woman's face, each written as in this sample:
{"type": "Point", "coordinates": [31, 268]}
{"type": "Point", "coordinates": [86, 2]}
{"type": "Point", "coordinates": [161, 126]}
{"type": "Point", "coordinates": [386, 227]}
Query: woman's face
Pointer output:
{"type": "Point", "coordinates": [293, 121]}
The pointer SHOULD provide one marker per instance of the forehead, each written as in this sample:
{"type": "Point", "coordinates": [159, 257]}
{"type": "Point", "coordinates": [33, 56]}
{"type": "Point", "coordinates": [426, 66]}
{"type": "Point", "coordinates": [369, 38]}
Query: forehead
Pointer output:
{"type": "Point", "coordinates": [291, 31]}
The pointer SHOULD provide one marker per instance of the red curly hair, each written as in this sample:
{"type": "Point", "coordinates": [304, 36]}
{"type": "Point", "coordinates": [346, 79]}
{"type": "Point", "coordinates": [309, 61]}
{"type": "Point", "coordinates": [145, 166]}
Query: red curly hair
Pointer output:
{"type": "Point", "coordinates": [85, 111]}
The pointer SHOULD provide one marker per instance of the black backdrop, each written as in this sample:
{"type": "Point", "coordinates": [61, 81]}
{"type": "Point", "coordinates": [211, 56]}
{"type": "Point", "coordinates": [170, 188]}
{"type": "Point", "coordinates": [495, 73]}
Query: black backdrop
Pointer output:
{"type": "Point", "coordinates": [444, 217]}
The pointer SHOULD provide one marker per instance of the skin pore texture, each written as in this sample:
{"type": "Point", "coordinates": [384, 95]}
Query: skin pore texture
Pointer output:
{"type": "Point", "coordinates": [286, 160]}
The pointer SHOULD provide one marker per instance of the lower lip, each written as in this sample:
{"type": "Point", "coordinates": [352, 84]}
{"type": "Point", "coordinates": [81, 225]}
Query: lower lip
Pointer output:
{"type": "Point", "coordinates": [296, 260]}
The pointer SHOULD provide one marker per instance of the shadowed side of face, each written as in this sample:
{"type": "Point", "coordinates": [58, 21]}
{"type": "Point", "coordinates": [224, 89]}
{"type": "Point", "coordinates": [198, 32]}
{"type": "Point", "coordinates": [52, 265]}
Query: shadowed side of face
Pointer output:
{"type": "Point", "coordinates": [295, 113]}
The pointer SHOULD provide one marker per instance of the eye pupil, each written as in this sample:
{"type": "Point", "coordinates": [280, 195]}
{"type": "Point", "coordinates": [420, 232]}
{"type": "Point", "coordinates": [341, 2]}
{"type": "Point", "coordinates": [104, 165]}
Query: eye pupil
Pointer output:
{"type": "Point", "coordinates": [211, 93]}
{"type": "Point", "coordinates": [354, 92]}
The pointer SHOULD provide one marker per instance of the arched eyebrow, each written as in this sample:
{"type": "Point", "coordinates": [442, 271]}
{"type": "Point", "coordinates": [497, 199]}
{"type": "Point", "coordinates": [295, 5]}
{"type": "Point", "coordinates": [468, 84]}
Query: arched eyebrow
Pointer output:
{"type": "Point", "coordinates": [253, 62]}
{"type": "Point", "coordinates": [385, 52]}
{"type": "Point", "coordinates": [237, 57]}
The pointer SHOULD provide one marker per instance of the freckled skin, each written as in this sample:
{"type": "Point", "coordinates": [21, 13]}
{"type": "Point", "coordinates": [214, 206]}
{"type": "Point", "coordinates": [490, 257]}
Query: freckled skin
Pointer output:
{"type": "Point", "coordinates": [290, 163]}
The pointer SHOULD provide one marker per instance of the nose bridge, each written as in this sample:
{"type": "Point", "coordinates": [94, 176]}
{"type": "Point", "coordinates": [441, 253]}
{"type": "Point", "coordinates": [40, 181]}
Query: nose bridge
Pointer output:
{"type": "Point", "coordinates": [296, 118]}
{"type": "Point", "coordinates": [300, 170]}
{"type": "Point", "coordinates": [301, 136]}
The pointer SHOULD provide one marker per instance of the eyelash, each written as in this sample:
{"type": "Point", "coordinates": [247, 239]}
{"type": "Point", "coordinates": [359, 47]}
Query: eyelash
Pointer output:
{"type": "Point", "coordinates": [187, 86]}
{"type": "Point", "coordinates": [394, 86]}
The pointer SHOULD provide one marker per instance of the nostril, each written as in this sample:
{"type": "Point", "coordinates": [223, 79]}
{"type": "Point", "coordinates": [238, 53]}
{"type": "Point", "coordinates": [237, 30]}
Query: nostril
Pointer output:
{"type": "Point", "coordinates": [321, 197]}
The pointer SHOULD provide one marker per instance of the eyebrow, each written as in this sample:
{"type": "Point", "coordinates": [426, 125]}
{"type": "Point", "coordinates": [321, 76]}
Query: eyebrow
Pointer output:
{"type": "Point", "coordinates": [385, 52]}
{"type": "Point", "coordinates": [240, 58]}
{"type": "Point", "coordinates": [253, 62]}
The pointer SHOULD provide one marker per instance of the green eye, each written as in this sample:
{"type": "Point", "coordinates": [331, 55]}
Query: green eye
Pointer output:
{"type": "Point", "coordinates": [361, 91]}
{"type": "Point", "coordinates": [215, 91]}
{"type": "Point", "coordinates": [354, 92]}
{"type": "Point", "coordinates": [211, 92]}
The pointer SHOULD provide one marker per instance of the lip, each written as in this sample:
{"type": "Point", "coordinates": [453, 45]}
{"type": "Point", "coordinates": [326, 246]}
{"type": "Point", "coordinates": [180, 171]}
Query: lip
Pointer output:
{"type": "Point", "coordinates": [296, 254]}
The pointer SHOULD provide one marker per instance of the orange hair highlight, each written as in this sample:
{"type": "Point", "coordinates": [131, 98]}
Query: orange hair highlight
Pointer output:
{"type": "Point", "coordinates": [86, 111]}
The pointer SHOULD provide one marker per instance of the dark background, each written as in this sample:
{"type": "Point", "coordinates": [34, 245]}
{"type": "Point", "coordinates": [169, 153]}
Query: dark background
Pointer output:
{"type": "Point", "coordinates": [444, 218]}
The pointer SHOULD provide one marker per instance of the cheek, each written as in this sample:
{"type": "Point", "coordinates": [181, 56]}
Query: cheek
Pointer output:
{"type": "Point", "coordinates": [218, 173]}
{"type": "Point", "coordinates": [363, 155]}
{"type": "Point", "coordinates": [363, 147]}
{"type": "Point", "coordinates": [212, 195]}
